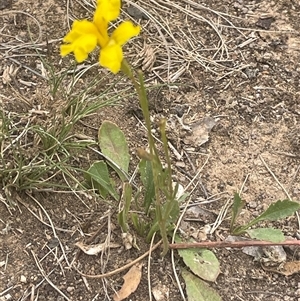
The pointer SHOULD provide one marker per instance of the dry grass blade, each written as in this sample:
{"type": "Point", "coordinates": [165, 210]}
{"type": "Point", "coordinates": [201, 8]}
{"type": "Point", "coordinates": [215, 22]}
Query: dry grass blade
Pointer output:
{"type": "Point", "coordinates": [46, 277]}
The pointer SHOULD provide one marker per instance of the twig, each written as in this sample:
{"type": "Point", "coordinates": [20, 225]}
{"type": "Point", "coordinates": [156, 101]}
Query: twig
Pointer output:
{"type": "Point", "coordinates": [282, 187]}
{"type": "Point", "coordinates": [149, 270]}
{"type": "Point", "coordinates": [234, 244]}
{"type": "Point", "coordinates": [275, 178]}
{"type": "Point", "coordinates": [52, 226]}
{"type": "Point", "coordinates": [46, 278]}
{"type": "Point", "coordinates": [123, 268]}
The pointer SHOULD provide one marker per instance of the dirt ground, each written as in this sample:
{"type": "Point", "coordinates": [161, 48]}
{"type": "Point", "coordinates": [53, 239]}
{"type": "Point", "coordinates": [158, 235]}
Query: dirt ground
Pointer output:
{"type": "Point", "coordinates": [234, 61]}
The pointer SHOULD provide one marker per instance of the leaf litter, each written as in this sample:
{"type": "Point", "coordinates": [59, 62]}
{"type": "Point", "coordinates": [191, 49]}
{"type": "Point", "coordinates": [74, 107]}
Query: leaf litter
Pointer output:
{"type": "Point", "coordinates": [131, 282]}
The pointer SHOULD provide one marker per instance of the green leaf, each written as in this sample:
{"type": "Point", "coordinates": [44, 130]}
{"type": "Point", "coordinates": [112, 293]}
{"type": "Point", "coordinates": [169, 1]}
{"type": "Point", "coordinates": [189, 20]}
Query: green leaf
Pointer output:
{"type": "Point", "coordinates": [140, 226]}
{"type": "Point", "coordinates": [201, 262]}
{"type": "Point", "coordinates": [145, 169]}
{"type": "Point", "coordinates": [237, 207]}
{"type": "Point", "coordinates": [269, 234]}
{"type": "Point", "coordinates": [198, 290]}
{"type": "Point", "coordinates": [114, 146]}
{"type": "Point", "coordinates": [98, 177]}
{"type": "Point", "coordinates": [276, 211]}
{"type": "Point", "coordinates": [126, 200]}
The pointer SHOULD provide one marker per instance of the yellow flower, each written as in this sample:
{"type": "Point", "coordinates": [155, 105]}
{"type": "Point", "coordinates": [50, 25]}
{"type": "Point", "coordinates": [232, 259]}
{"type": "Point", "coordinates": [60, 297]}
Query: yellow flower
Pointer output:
{"type": "Point", "coordinates": [111, 56]}
{"type": "Point", "coordinates": [85, 36]}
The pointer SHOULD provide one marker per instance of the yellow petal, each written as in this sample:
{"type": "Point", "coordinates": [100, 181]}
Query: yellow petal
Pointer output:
{"type": "Point", "coordinates": [108, 9]}
{"type": "Point", "coordinates": [111, 57]}
{"type": "Point", "coordinates": [66, 49]}
{"type": "Point", "coordinates": [84, 46]}
{"type": "Point", "coordinates": [124, 32]}
{"type": "Point", "coordinates": [80, 28]}
{"type": "Point", "coordinates": [87, 42]}
{"type": "Point", "coordinates": [81, 47]}
{"type": "Point", "coordinates": [102, 26]}
{"type": "Point", "coordinates": [80, 55]}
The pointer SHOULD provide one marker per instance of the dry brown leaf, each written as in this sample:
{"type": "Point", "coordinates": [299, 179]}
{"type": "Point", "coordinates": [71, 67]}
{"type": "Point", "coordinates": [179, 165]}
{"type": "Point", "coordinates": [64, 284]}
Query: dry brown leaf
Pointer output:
{"type": "Point", "coordinates": [131, 282]}
{"type": "Point", "coordinates": [290, 268]}
{"type": "Point", "coordinates": [127, 240]}
{"type": "Point", "coordinates": [286, 268]}
{"type": "Point", "coordinates": [200, 131]}
{"type": "Point", "coordinates": [95, 249]}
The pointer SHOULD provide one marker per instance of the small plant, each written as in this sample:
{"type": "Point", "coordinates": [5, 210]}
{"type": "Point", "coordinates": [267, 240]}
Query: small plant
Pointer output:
{"type": "Point", "coordinates": [160, 192]}
{"type": "Point", "coordinates": [156, 200]}
{"type": "Point", "coordinates": [276, 211]}
{"type": "Point", "coordinates": [38, 146]}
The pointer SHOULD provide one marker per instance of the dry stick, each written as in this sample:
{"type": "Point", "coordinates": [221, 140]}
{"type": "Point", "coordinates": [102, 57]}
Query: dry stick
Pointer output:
{"type": "Point", "coordinates": [123, 268]}
{"type": "Point", "coordinates": [149, 270]}
{"type": "Point", "coordinates": [234, 244]}
{"type": "Point", "coordinates": [274, 177]}
{"type": "Point", "coordinates": [52, 226]}
{"type": "Point", "coordinates": [282, 187]}
{"type": "Point", "coordinates": [208, 244]}
{"type": "Point", "coordinates": [46, 277]}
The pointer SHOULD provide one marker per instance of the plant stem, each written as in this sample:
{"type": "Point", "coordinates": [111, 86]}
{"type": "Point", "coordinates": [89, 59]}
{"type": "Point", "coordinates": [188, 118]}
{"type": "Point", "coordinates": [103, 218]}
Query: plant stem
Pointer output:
{"type": "Point", "coordinates": [233, 244]}
{"type": "Point", "coordinates": [157, 168]}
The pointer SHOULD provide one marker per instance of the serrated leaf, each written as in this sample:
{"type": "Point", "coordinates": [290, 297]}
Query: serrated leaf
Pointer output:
{"type": "Point", "coordinates": [98, 177]}
{"type": "Point", "coordinates": [198, 290]}
{"type": "Point", "coordinates": [201, 262]}
{"type": "Point", "coordinates": [276, 211]}
{"type": "Point", "coordinates": [145, 169]}
{"type": "Point", "coordinates": [113, 145]}
{"type": "Point", "coordinates": [269, 234]}
{"type": "Point", "coordinates": [237, 207]}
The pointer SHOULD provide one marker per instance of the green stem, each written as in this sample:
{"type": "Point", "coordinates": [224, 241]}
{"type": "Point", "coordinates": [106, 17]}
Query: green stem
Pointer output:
{"type": "Point", "coordinates": [155, 162]}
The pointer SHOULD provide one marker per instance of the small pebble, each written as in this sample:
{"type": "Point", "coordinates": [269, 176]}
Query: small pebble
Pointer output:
{"type": "Point", "coordinates": [70, 289]}
{"type": "Point", "coordinates": [252, 204]}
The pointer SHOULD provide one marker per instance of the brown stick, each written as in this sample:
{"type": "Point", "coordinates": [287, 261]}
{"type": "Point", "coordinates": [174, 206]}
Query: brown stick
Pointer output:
{"type": "Point", "coordinates": [233, 244]}
{"type": "Point", "coordinates": [121, 269]}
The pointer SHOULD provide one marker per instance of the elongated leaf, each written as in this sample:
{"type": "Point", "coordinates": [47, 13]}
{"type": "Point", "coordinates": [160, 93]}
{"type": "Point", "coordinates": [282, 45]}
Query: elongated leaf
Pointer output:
{"type": "Point", "coordinates": [237, 207]}
{"type": "Point", "coordinates": [276, 211]}
{"type": "Point", "coordinates": [269, 234]}
{"type": "Point", "coordinates": [98, 177]}
{"type": "Point", "coordinates": [113, 145]}
{"type": "Point", "coordinates": [198, 290]}
{"type": "Point", "coordinates": [145, 170]}
{"type": "Point", "coordinates": [126, 200]}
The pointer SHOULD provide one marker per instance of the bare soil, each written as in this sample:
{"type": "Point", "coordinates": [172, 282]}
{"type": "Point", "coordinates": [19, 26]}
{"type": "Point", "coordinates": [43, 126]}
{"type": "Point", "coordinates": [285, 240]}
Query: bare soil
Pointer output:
{"type": "Point", "coordinates": [246, 78]}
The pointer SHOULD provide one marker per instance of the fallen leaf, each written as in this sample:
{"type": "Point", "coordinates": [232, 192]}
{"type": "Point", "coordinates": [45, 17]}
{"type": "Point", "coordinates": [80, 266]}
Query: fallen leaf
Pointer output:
{"type": "Point", "coordinates": [286, 268]}
{"type": "Point", "coordinates": [131, 282]}
{"type": "Point", "coordinates": [200, 131]}
{"type": "Point", "coordinates": [8, 73]}
{"type": "Point", "coordinates": [95, 249]}
{"type": "Point", "coordinates": [127, 240]}
{"type": "Point", "coordinates": [290, 268]}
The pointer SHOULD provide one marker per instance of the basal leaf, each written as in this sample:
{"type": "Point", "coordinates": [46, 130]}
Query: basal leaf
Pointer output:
{"type": "Point", "coordinates": [145, 169]}
{"type": "Point", "coordinates": [269, 234]}
{"type": "Point", "coordinates": [276, 211]}
{"type": "Point", "coordinates": [98, 177]}
{"type": "Point", "coordinates": [126, 200]}
{"type": "Point", "coordinates": [113, 145]}
{"type": "Point", "coordinates": [201, 262]}
{"type": "Point", "coordinates": [198, 290]}
{"type": "Point", "coordinates": [237, 206]}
